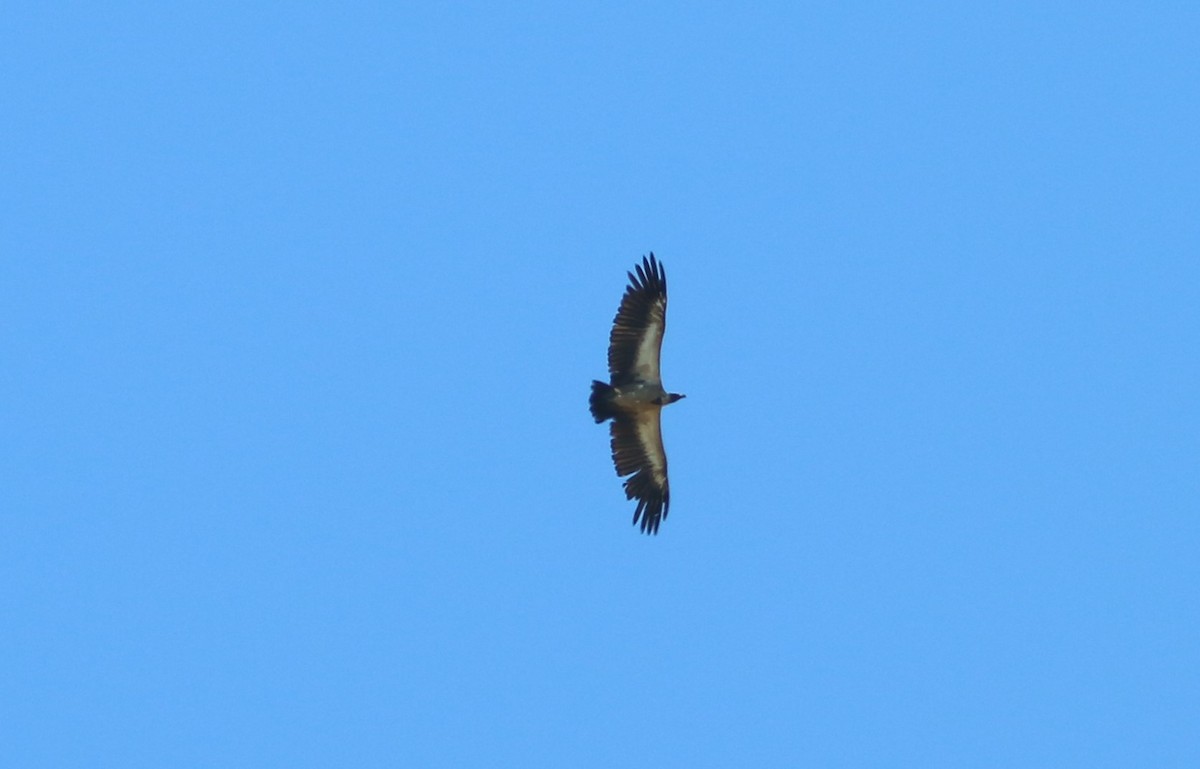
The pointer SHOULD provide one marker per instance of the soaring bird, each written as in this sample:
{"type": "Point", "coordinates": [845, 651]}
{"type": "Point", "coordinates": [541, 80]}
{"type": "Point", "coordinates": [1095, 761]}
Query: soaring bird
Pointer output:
{"type": "Point", "coordinates": [634, 396]}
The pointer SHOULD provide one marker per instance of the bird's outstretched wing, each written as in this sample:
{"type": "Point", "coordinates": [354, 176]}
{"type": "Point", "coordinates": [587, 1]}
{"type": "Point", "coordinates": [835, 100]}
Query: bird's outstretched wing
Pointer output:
{"type": "Point", "coordinates": [636, 340]}
{"type": "Point", "coordinates": [637, 448]}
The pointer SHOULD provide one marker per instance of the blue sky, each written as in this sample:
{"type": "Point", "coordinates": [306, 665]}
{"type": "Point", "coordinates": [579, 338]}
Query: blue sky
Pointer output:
{"type": "Point", "coordinates": [298, 309]}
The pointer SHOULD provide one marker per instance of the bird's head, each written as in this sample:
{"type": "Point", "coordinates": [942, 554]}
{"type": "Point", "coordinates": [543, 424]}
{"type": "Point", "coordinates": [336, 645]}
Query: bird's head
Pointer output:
{"type": "Point", "coordinates": [672, 397]}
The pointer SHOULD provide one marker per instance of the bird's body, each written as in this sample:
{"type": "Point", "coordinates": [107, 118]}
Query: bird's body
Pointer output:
{"type": "Point", "coordinates": [634, 396]}
{"type": "Point", "coordinates": [640, 395]}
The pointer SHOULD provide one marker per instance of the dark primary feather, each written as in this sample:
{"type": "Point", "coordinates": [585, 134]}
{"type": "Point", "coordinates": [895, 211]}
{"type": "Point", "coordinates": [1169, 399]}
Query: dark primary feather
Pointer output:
{"type": "Point", "coordinates": [636, 340]}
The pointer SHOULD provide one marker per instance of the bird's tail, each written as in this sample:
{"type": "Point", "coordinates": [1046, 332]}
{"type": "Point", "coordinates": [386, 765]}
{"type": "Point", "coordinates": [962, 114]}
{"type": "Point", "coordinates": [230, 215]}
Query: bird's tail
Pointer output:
{"type": "Point", "coordinates": [601, 401]}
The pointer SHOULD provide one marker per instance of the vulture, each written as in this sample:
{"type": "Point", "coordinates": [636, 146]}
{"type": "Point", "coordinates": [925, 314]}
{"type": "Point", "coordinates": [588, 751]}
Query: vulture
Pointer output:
{"type": "Point", "coordinates": [634, 396]}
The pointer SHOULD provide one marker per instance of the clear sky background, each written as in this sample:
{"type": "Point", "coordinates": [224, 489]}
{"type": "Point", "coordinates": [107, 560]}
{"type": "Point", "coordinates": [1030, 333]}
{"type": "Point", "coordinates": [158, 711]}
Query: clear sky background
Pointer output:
{"type": "Point", "coordinates": [299, 304]}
